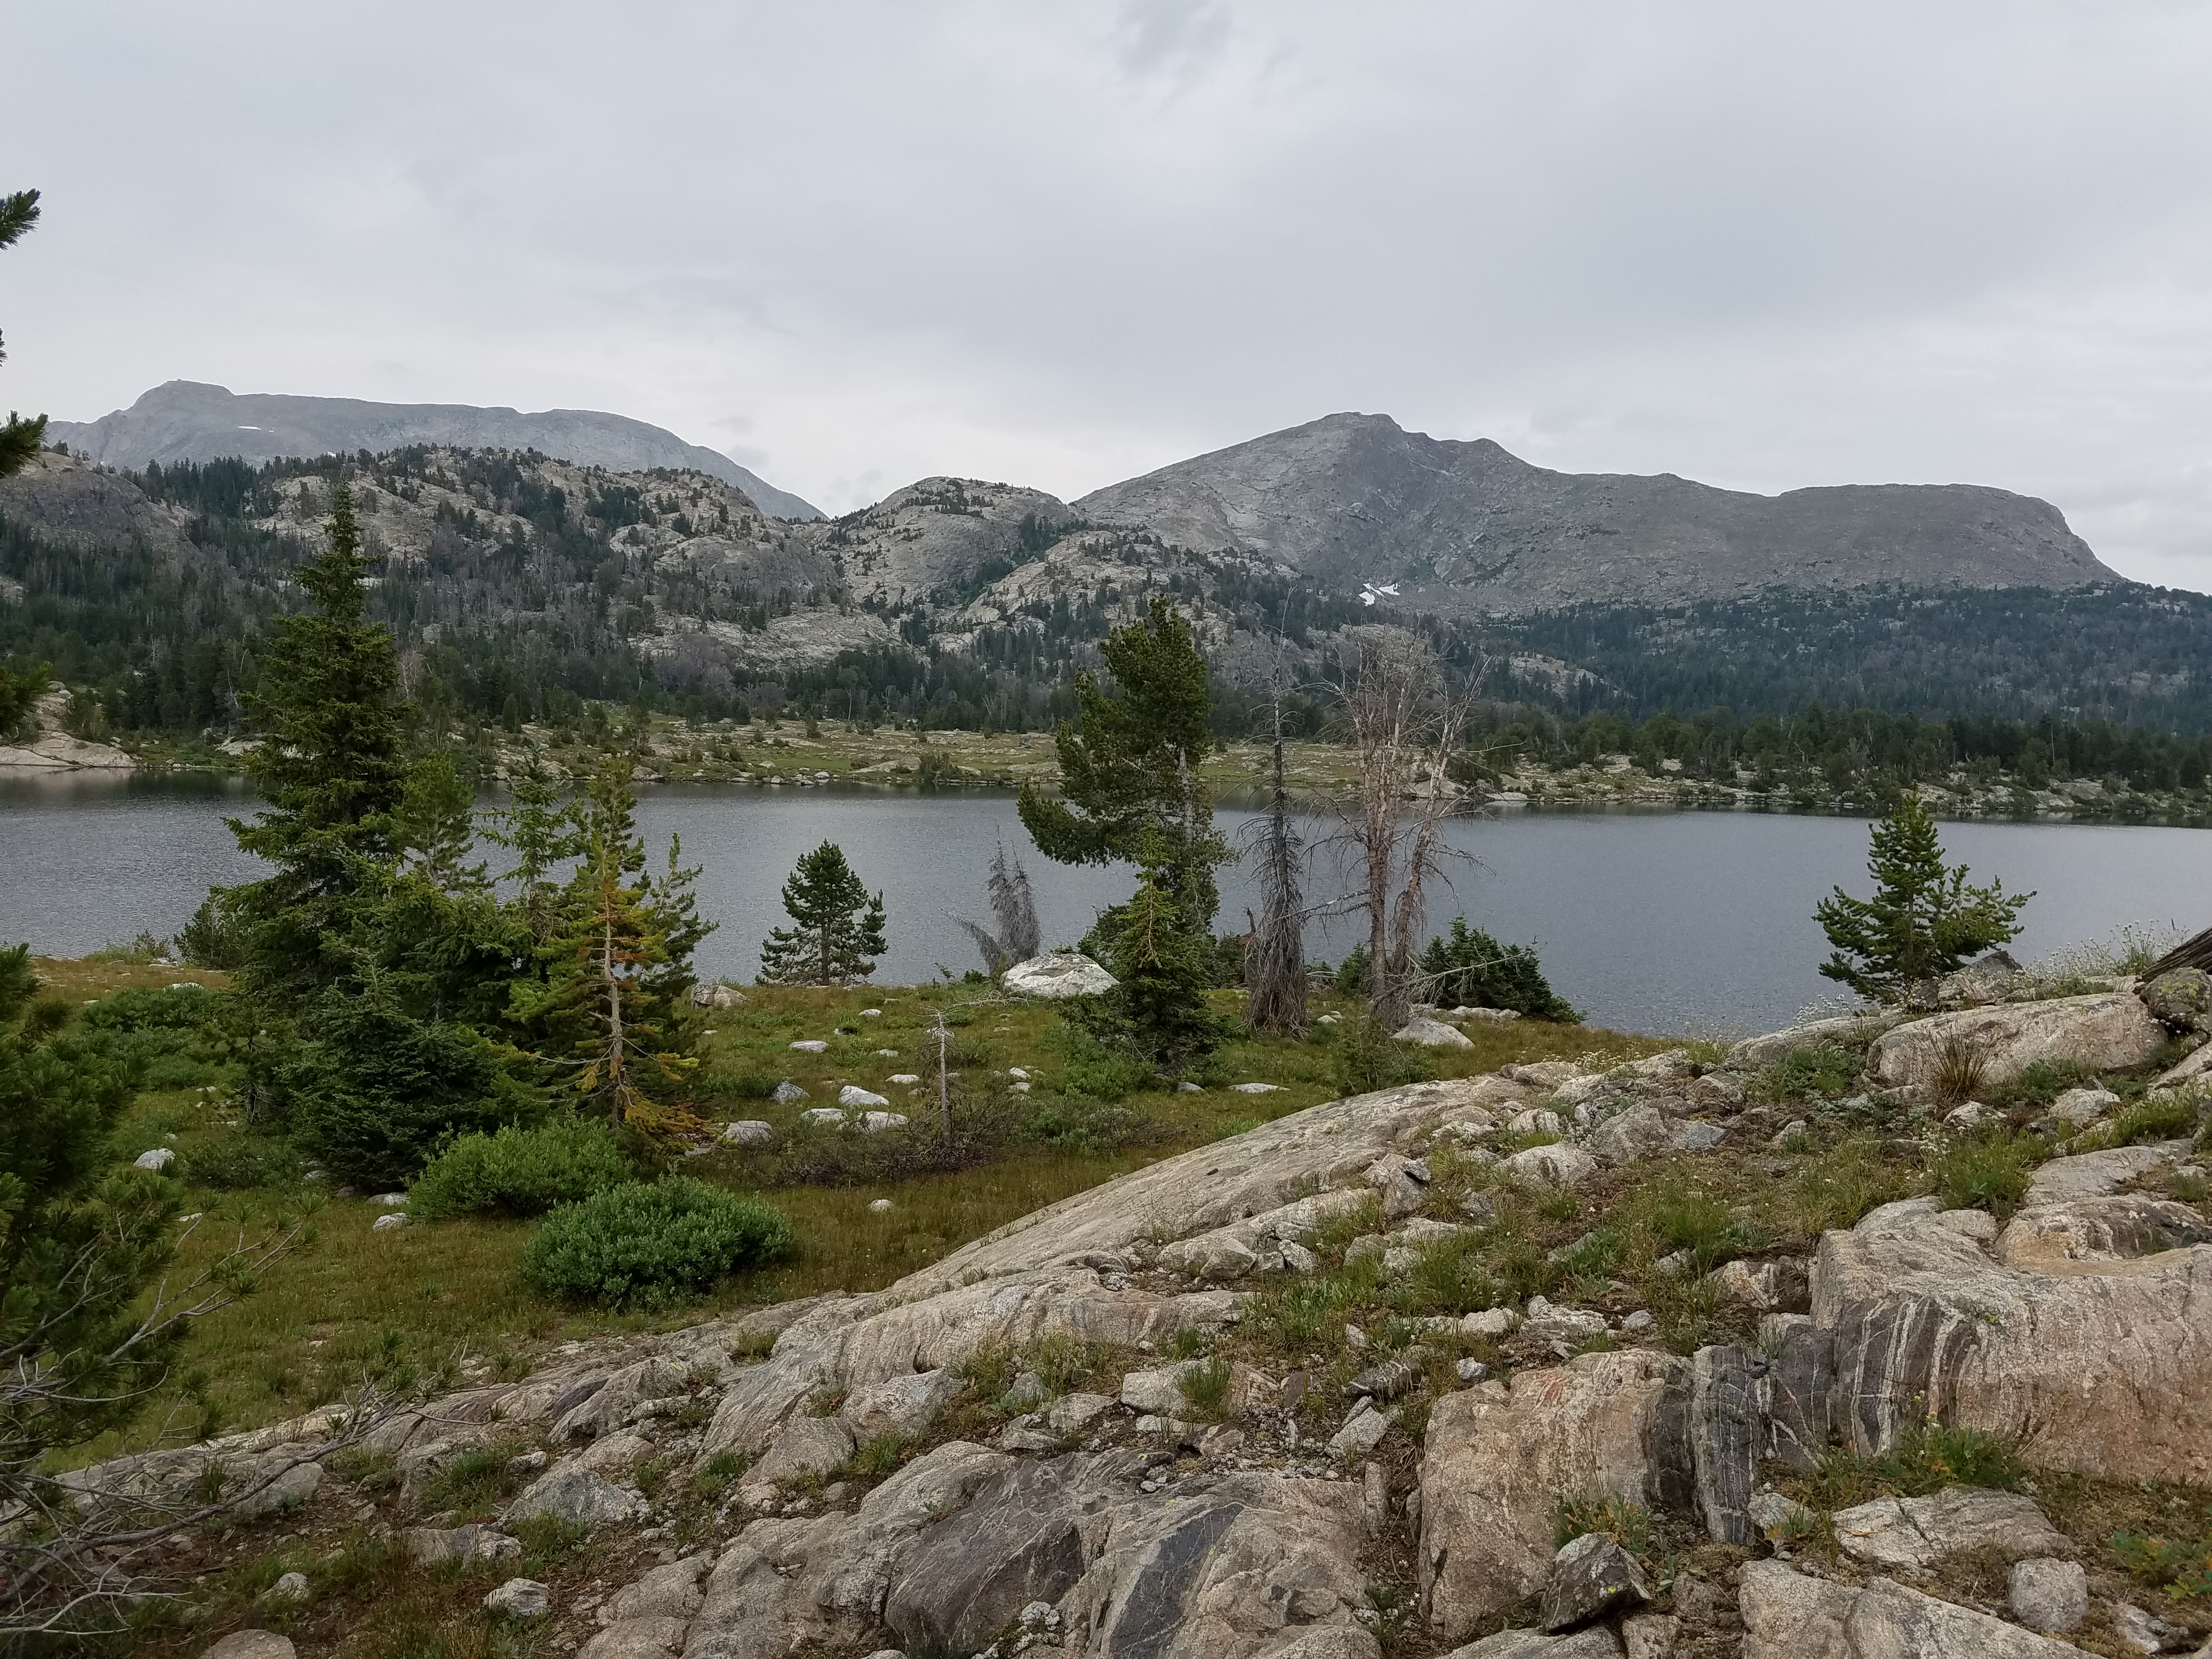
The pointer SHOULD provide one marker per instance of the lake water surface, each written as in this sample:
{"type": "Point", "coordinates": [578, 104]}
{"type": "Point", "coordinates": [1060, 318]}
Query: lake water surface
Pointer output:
{"type": "Point", "coordinates": [1649, 922]}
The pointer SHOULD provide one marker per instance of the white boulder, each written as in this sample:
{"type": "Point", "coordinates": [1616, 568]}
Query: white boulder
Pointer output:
{"type": "Point", "coordinates": [1057, 974]}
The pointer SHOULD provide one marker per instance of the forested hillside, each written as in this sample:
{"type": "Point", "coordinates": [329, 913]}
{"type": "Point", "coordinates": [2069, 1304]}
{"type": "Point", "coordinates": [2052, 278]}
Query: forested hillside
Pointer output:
{"type": "Point", "coordinates": [523, 588]}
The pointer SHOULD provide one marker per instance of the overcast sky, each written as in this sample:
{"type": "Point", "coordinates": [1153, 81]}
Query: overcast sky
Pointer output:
{"type": "Point", "coordinates": [1763, 244]}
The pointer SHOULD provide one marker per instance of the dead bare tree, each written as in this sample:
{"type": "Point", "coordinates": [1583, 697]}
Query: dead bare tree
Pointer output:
{"type": "Point", "coordinates": [1405, 725]}
{"type": "Point", "coordinates": [1274, 965]}
{"type": "Point", "coordinates": [1015, 935]}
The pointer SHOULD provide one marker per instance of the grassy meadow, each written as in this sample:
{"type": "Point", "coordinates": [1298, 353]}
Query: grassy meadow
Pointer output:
{"type": "Point", "coordinates": [441, 1303]}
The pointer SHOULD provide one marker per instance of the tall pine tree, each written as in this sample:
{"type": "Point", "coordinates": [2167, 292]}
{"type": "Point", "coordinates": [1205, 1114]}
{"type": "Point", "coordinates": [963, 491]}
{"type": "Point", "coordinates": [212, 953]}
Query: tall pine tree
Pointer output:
{"type": "Point", "coordinates": [331, 767]}
{"type": "Point", "coordinates": [19, 442]}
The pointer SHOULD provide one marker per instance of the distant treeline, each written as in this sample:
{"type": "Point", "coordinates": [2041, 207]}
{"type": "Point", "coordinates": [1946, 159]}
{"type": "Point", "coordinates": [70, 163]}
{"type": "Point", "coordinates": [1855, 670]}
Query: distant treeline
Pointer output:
{"type": "Point", "coordinates": [1861, 750]}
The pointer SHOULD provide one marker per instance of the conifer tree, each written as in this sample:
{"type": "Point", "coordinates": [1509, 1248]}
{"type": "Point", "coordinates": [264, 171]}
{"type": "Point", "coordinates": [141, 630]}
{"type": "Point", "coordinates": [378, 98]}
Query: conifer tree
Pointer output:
{"type": "Point", "coordinates": [19, 442]}
{"type": "Point", "coordinates": [617, 966]}
{"type": "Point", "coordinates": [1129, 766]}
{"type": "Point", "coordinates": [331, 768]}
{"type": "Point", "coordinates": [20, 438]}
{"type": "Point", "coordinates": [1163, 965]}
{"type": "Point", "coordinates": [1923, 920]}
{"type": "Point", "coordinates": [840, 928]}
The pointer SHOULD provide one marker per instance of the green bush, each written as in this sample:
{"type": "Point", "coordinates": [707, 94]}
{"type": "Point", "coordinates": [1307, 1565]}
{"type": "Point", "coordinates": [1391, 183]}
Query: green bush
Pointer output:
{"type": "Point", "coordinates": [375, 1090]}
{"type": "Point", "coordinates": [1369, 1058]}
{"type": "Point", "coordinates": [1468, 968]}
{"type": "Point", "coordinates": [1989, 1172]}
{"type": "Point", "coordinates": [522, 1172]}
{"type": "Point", "coordinates": [1812, 1073]}
{"type": "Point", "coordinates": [176, 1008]}
{"type": "Point", "coordinates": [650, 1244]}
{"type": "Point", "coordinates": [1078, 1123]}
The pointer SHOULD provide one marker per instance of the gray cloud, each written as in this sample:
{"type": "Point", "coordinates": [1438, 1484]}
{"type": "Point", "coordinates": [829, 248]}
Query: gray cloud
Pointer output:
{"type": "Point", "coordinates": [1764, 245]}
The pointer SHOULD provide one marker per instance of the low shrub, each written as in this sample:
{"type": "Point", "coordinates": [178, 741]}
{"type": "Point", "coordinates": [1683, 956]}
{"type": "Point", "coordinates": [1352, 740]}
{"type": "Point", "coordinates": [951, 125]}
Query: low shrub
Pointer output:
{"type": "Point", "coordinates": [1817, 1073]}
{"type": "Point", "coordinates": [181, 1008]}
{"type": "Point", "coordinates": [520, 1171]}
{"type": "Point", "coordinates": [239, 1163]}
{"type": "Point", "coordinates": [1081, 1123]}
{"type": "Point", "coordinates": [650, 1244]}
{"type": "Point", "coordinates": [1369, 1058]}
{"type": "Point", "coordinates": [1989, 1172]}
{"type": "Point", "coordinates": [2041, 1083]}
{"type": "Point", "coordinates": [1094, 1069]}
{"type": "Point", "coordinates": [2180, 1563]}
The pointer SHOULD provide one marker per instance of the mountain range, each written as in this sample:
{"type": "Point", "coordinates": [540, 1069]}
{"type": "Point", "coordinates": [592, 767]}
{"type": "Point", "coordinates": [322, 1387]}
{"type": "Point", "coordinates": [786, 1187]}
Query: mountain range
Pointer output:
{"type": "Point", "coordinates": [189, 421]}
{"type": "Point", "coordinates": [522, 572]}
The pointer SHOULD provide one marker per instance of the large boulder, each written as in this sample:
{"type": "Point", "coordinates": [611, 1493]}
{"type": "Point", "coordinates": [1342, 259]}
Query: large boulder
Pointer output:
{"type": "Point", "coordinates": [1913, 1533]}
{"type": "Point", "coordinates": [1756, 1053]}
{"type": "Point", "coordinates": [1787, 1615]}
{"type": "Point", "coordinates": [2108, 1031]}
{"type": "Point", "coordinates": [2180, 998]}
{"type": "Point", "coordinates": [1430, 1034]}
{"type": "Point", "coordinates": [1497, 1458]}
{"type": "Point", "coordinates": [1057, 974]}
{"type": "Point", "coordinates": [2104, 1368]}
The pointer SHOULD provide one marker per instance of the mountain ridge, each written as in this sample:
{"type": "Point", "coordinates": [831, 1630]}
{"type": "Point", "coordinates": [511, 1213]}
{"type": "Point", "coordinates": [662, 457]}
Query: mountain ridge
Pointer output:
{"type": "Point", "coordinates": [193, 421]}
{"type": "Point", "coordinates": [1465, 526]}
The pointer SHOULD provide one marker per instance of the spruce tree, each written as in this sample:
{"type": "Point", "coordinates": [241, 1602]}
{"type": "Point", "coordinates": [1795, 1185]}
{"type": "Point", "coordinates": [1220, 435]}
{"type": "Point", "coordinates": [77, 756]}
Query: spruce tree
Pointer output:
{"type": "Point", "coordinates": [1923, 920]}
{"type": "Point", "coordinates": [332, 768]}
{"type": "Point", "coordinates": [1128, 766]}
{"type": "Point", "coordinates": [1163, 964]}
{"type": "Point", "coordinates": [840, 925]}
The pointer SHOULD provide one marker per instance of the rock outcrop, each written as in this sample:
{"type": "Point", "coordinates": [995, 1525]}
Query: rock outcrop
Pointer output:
{"type": "Point", "coordinates": [2109, 1032]}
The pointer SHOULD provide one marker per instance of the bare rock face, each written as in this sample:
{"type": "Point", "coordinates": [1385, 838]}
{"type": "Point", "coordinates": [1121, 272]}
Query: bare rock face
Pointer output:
{"type": "Point", "coordinates": [1639, 1132]}
{"type": "Point", "coordinates": [1787, 1615]}
{"type": "Point", "coordinates": [581, 1497]}
{"type": "Point", "coordinates": [2104, 1368]}
{"type": "Point", "coordinates": [1352, 497]}
{"type": "Point", "coordinates": [2108, 1031]}
{"type": "Point", "coordinates": [1496, 1457]}
{"type": "Point", "coordinates": [1596, 1643]}
{"type": "Point", "coordinates": [251, 1644]}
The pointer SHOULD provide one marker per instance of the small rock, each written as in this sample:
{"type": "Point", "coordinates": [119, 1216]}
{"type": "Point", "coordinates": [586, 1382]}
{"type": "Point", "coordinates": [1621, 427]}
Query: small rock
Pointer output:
{"type": "Point", "coordinates": [1019, 1088]}
{"type": "Point", "coordinates": [1591, 1577]}
{"type": "Point", "coordinates": [1554, 1166]}
{"type": "Point", "coordinates": [384, 1223]}
{"type": "Point", "coordinates": [1698, 1136]}
{"type": "Point", "coordinates": [1363, 1433]}
{"type": "Point", "coordinates": [880, 1205]}
{"type": "Point", "coordinates": [292, 1587]}
{"type": "Point", "coordinates": [158, 1157]}
{"type": "Point", "coordinates": [2143, 1631]}
{"type": "Point", "coordinates": [1791, 1136]}
{"type": "Point", "coordinates": [1778, 1517]}
{"type": "Point", "coordinates": [251, 1644]}
{"type": "Point", "coordinates": [527, 1462]}
{"type": "Point", "coordinates": [852, 1094]}
{"type": "Point", "coordinates": [811, 1046]}
{"type": "Point", "coordinates": [520, 1598]}
{"type": "Point", "coordinates": [1492, 1321]}
{"type": "Point", "coordinates": [1535, 1121]}
{"type": "Point", "coordinates": [1547, 1322]}
{"type": "Point", "coordinates": [1971, 1116]}
{"type": "Point", "coordinates": [1639, 1322]}
{"type": "Point", "coordinates": [748, 1132]}
{"type": "Point", "coordinates": [390, 1201]}
{"type": "Point", "coordinates": [1472, 1370]}
{"type": "Point", "coordinates": [787, 1092]}
{"type": "Point", "coordinates": [904, 1079]}
{"type": "Point", "coordinates": [872, 1013]}
{"type": "Point", "coordinates": [1257, 1088]}
{"type": "Point", "coordinates": [2079, 1106]}
{"type": "Point", "coordinates": [1187, 1087]}
{"type": "Point", "coordinates": [2049, 1594]}
{"type": "Point", "coordinates": [287, 1492]}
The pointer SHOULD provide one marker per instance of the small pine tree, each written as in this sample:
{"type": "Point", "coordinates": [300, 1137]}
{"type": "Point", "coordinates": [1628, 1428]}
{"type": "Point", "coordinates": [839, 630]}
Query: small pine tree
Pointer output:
{"type": "Point", "coordinates": [617, 969]}
{"type": "Point", "coordinates": [1467, 967]}
{"type": "Point", "coordinates": [840, 925]}
{"type": "Point", "coordinates": [1164, 965]}
{"type": "Point", "coordinates": [1924, 921]}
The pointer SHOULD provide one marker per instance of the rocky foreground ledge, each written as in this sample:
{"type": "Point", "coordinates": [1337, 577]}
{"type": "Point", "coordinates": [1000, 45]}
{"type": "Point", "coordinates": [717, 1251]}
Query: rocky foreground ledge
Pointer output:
{"type": "Point", "coordinates": [1178, 1510]}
